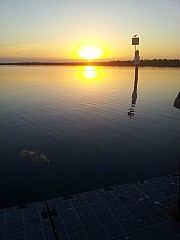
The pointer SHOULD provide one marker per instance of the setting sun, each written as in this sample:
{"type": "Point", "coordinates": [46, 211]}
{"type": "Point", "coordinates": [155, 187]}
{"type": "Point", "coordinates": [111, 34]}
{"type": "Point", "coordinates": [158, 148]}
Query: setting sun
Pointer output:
{"type": "Point", "coordinates": [90, 52]}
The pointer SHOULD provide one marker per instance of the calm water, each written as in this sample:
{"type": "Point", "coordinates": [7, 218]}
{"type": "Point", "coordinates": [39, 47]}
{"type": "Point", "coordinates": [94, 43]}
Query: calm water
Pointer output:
{"type": "Point", "coordinates": [77, 117]}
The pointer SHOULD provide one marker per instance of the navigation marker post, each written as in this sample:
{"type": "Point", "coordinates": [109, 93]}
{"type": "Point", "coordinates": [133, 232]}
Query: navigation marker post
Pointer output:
{"type": "Point", "coordinates": [135, 42]}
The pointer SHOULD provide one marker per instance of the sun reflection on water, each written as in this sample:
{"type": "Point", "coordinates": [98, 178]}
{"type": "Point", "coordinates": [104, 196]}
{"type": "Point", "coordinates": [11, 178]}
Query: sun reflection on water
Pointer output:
{"type": "Point", "coordinates": [90, 73]}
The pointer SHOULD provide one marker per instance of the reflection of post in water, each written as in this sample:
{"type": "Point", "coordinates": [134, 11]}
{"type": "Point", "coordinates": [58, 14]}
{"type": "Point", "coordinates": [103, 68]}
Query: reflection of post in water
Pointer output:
{"type": "Point", "coordinates": [135, 41]}
{"type": "Point", "coordinates": [134, 94]}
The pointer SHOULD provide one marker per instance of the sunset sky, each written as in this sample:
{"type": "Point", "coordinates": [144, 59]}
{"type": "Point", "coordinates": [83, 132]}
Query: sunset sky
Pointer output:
{"type": "Point", "coordinates": [58, 29]}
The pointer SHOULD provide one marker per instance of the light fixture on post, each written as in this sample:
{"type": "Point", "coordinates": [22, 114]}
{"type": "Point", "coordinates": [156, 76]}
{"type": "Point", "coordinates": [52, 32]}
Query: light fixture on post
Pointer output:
{"type": "Point", "coordinates": [135, 42]}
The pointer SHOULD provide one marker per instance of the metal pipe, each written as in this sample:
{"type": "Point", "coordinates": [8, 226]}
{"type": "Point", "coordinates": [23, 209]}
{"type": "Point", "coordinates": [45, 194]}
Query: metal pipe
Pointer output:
{"type": "Point", "coordinates": [51, 221]}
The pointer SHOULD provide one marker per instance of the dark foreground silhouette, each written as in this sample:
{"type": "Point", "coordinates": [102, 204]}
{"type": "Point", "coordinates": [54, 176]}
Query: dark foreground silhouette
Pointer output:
{"type": "Point", "coordinates": [177, 101]}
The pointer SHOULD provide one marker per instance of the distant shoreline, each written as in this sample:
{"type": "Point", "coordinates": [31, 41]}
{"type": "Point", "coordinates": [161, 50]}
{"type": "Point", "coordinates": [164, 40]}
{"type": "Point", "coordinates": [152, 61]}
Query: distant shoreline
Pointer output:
{"type": "Point", "coordinates": [118, 63]}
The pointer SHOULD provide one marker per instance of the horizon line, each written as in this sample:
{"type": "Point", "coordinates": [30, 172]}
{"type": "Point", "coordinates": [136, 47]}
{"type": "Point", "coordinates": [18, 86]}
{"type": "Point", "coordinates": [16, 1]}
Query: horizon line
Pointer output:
{"type": "Point", "coordinates": [82, 60]}
{"type": "Point", "coordinates": [17, 60]}
{"type": "Point", "coordinates": [144, 62]}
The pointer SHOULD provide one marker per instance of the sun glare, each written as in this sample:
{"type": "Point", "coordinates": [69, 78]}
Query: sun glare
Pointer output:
{"type": "Point", "coordinates": [90, 52]}
{"type": "Point", "coordinates": [91, 73]}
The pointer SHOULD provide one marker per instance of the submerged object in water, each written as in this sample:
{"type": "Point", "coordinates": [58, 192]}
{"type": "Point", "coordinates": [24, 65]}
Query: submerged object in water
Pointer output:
{"type": "Point", "coordinates": [34, 155]}
{"type": "Point", "coordinates": [43, 158]}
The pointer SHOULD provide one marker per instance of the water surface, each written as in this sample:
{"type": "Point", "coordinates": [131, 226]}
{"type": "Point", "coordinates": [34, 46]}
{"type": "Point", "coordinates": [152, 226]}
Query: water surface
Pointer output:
{"type": "Point", "coordinates": [77, 117]}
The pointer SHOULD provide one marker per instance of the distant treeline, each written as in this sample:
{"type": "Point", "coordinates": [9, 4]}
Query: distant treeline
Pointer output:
{"type": "Point", "coordinates": [161, 63]}
{"type": "Point", "coordinates": [145, 63]}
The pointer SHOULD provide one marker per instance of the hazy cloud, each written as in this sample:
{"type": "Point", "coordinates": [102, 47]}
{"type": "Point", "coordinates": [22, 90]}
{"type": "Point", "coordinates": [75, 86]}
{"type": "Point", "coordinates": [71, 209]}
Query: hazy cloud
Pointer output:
{"type": "Point", "coordinates": [18, 47]}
